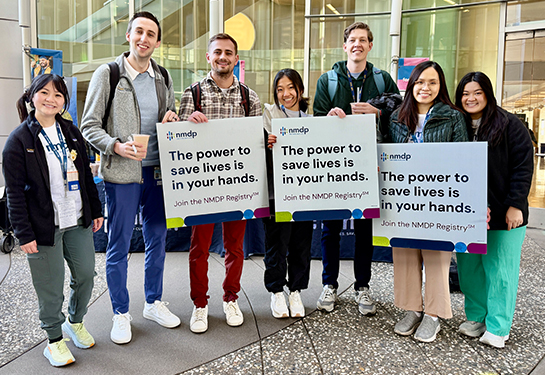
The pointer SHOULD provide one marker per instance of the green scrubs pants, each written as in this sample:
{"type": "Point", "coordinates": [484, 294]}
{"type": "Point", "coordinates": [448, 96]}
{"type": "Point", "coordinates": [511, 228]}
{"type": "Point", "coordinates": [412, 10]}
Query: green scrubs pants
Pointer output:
{"type": "Point", "coordinates": [47, 268]}
{"type": "Point", "coordinates": [490, 282]}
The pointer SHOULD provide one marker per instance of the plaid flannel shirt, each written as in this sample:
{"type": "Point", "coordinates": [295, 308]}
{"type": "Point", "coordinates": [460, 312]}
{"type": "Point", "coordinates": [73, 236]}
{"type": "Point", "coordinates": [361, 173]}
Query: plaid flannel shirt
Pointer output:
{"type": "Point", "coordinates": [216, 104]}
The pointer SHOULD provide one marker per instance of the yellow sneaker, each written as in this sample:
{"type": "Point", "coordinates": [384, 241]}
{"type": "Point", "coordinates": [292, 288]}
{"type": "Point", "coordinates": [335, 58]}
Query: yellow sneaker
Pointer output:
{"type": "Point", "coordinates": [77, 332]}
{"type": "Point", "coordinates": [59, 354]}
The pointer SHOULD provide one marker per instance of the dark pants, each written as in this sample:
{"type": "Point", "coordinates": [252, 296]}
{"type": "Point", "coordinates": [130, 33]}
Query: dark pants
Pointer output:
{"type": "Point", "coordinates": [363, 251]}
{"type": "Point", "coordinates": [287, 247]}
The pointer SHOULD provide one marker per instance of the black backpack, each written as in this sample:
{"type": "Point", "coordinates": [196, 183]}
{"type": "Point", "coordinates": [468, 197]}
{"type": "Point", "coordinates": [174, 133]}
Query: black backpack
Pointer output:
{"type": "Point", "coordinates": [114, 80]}
{"type": "Point", "coordinates": [244, 92]}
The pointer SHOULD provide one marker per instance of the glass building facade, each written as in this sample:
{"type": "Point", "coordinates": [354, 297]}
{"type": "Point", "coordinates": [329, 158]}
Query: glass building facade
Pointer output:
{"type": "Point", "coordinates": [505, 39]}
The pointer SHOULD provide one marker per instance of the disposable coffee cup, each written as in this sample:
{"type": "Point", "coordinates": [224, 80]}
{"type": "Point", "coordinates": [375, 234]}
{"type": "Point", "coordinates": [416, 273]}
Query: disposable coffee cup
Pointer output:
{"type": "Point", "coordinates": [142, 139]}
{"type": "Point", "coordinates": [354, 105]}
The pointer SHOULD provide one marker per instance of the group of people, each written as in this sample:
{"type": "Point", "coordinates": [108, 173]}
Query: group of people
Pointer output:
{"type": "Point", "coordinates": [54, 205]}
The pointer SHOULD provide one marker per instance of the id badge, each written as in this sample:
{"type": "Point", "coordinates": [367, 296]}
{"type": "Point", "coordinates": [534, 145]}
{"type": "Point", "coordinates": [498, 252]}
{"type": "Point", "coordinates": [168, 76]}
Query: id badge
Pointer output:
{"type": "Point", "coordinates": [72, 177]}
{"type": "Point", "coordinates": [157, 176]}
{"type": "Point", "coordinates": [66, 209]}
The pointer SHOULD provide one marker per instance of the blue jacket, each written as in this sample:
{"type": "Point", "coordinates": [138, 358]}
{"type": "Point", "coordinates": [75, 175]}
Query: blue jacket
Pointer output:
{"type": "Point", "coordinates": [27, 182]}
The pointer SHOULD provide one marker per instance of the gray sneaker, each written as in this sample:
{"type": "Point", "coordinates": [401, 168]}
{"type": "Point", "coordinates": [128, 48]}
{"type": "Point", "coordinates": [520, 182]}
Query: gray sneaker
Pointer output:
{"type": "Point", "coordinates": [471, 328]}
{"type": "Point", "coordinates": [428, 329]}
{"type": "Point", "coordinates": [407, 325]}
{"type": "Point", "coordinates": [327, 298]}
{"type": "Point", "coordinates": [364, 301]}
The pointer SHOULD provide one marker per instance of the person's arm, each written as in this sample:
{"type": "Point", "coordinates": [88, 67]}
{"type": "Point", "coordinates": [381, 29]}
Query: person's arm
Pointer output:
{"type": "Point", "coordinates": [170, 115]}
{"type": "Point", "coordinates": [521, 164]}
{"type": "Point", "coordinates": [459, 132]}
{"type": "Point", "coordinates": [255, 104]}
{"type": "Point", "coordinates": [322, 103]}
{"type": "Point", "coordinates": [15, 174]}
{"type": "Point", "coordinates": [93, 112]}
{"type": "Point", "coordinates": [187, 110]}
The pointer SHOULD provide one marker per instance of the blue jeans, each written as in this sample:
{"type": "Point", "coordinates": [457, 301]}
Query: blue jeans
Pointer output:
{"type": "Point", "coordinates": [123, 201]}
{"type": "Point", "coordinates": [363, 251]}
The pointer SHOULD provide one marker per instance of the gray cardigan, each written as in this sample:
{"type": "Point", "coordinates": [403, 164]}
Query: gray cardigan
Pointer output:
{"type": "Point", "coordinates": [123, 121]}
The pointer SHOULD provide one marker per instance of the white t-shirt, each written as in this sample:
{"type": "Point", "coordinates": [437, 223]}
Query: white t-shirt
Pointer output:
{"type": "Point", "coordinates": [56, 179]}
{"type": "Point", "coordinates": [419, 131]}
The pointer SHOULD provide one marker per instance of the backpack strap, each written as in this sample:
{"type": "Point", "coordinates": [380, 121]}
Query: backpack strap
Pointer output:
{"type": "Point", "coordinates": [114, 80]}
{"type": "Point", "coordinates": [196, 92]}
{"type": "Point", "coordinates": [379, 80]}
{"type": "Point", "coordinates": [332, 83]}
{"type": "Point", "coordinates": [245, 94]}
{"type": "Point", "coordinates": [164, 73]}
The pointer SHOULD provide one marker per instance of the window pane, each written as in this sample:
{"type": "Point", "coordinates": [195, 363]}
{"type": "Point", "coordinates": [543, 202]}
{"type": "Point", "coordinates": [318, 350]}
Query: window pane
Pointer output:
{"type": "Point", "coordinates": [460, 40]}
{"type": "Point", "coordinates": [348, 6]}
{"type": "Point", "coordinates": [520, 12]}
{"type": "Point", "coordinates": [424, 4]}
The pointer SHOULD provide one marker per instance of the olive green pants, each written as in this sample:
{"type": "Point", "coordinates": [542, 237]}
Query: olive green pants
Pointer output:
{"type": "Point", "coordinates": [47, 268]}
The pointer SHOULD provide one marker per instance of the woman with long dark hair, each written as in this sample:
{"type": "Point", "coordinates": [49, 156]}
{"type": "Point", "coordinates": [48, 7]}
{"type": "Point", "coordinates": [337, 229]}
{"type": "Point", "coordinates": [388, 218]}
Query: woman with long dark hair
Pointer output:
{"type": "Point", "coordinates": [287, 245]}
{"type": "Point", "coordinates": [426, 115]}
{"type": "Point", "coordinates": [490, 282]}
{"type": "Point", "coordinates": [54, 209]}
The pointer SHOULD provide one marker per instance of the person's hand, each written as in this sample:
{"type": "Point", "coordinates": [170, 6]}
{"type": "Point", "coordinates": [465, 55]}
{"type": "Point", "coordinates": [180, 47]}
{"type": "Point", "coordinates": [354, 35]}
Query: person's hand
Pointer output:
{"type": "Point", "coordinates": [513, 218]}
{"type": "Point", "coordinates": [337, 112]}
{"type": "Point", "coordinates": [363, 108]}
{"type": "Point", "coordinates": [170, 117]}
{"type": "Point", "coordinates": [271, 140]}
{"type": "Point", "coordinates": [127, 150]}
{"type": "Point", "coordinates": [487, 217]}
{"type": "Point", "coordinates": [197, 117]}
{"type": "Point", "coordinates": [97, 224]}
{"type": "Point", "coordinates": [30, 248]}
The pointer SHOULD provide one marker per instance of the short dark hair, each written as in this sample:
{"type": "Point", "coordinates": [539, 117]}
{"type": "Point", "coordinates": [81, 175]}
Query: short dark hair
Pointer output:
{"type": "Point", "coordinates": [147, 15]}
{"type": "Point", "coordinates": [408, 111]}
{"type": "Point", "coordinates": [358, 25]}
{"type": "Point", "coordinates": [223, 36]}
{"type": "Point", "coordinates": [491, 128]}
{"type": "Point", "coordinates": [37, 84]}
{"type": "Point", "coordinates": [295, 78]}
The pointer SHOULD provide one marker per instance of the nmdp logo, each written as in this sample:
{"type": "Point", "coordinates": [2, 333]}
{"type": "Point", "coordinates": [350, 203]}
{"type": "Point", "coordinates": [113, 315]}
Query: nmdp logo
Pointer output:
{"type": "Point", "coordinates": [170, 136]}
{"type": "Point", "coordinates": [395, 157]}
{"type": "Point", "coordinates": [283, 131]}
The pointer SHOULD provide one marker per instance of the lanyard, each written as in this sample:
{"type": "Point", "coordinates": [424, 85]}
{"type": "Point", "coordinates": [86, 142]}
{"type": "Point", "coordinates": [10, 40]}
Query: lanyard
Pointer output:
{"type": "Point", "coordinates": [284, 110]}
{"type": "Point", "coordinates": [352, 85]}
{"type": "Point", "coordinates": [413, 136]}
{"type": "Point", "coordinates": [64, 160]}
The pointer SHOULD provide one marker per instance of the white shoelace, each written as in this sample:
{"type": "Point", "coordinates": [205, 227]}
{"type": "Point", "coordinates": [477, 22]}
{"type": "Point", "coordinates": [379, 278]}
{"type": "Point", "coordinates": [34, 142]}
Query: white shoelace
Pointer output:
{"type": "Point", "coordinates": [122, 320]}
{"type": "Point", "coordinates": [200, 314]}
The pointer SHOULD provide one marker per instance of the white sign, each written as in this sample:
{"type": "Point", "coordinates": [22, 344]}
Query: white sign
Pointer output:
{"type": "Point", "coordinates": [433, 196]}
{"type": "Point", "coordinates": [325, 168]}
{"type": "Point", "coordinates": [213, 172]}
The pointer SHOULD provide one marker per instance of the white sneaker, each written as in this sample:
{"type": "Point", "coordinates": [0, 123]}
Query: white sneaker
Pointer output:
{"type": "Point", "coordinates": [278, 305]}
{"type": "Point", "coordinates": [121, 329]}
{"type": "Point", "coordinates": [159, 312]}
{"type": "Point", "coordinates": [199, 319]}
{"type": "Point", "coordinates": [233, 315]}
{"type": "Point", "coordinates": [327, 298]}
{"type": "Point", "coordinates": [493, 340]}
{"type": "Point", "coordinates": [297, 309]}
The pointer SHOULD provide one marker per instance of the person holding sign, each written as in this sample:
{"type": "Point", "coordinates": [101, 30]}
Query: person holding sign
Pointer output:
{"type": "Point", "coordinates": [54, 209]}
{"type": "Point", "coordinates": [341, 91]}
{"type": "Point", "coordinates": [142, 97]}
{"type": "Point", "coordinates": [490, 281]}
{"type": "Point", "coordinates": [219, 95]}
{"type": "Point", "coordinates": [287, 245]}
{"type": "Point", "coordinates": [426, 115]}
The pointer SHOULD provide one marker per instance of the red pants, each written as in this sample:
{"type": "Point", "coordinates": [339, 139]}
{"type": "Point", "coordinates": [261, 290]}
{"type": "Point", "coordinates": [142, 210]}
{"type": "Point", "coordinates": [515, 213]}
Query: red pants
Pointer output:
{"type": "Point", "coordinates": [201, 239]}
